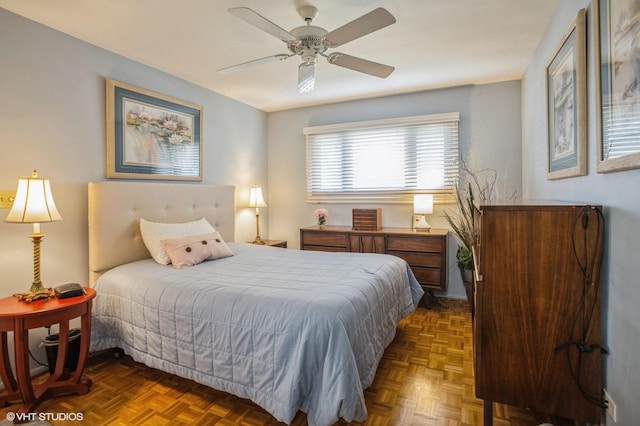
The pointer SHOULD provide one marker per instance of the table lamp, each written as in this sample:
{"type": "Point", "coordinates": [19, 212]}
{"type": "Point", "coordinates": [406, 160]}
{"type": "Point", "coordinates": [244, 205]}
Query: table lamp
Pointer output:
{"type": "Point", "coordinates": [422, 206]}
{"type": "Point", "coordinates": [34, 204]}
{"type": "Point", "coordinates": [256, 200]}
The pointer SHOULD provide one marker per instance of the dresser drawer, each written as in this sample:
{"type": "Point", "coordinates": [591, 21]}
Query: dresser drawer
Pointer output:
{"type": "Point", "coordinates": [415, 243]}
{"type": "Point", "coordinates": [323, 248]}
{"type": "Point", "coordinates": [419, 259]}
{"type": "Point", "coordinates": [428, 277]}
{"type": "Point", "coordinates": [325, 239]}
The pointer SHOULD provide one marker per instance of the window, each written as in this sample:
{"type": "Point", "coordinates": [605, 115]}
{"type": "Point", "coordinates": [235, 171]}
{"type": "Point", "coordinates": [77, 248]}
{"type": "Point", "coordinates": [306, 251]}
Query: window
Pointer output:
{"type": "Point", "coordinates": [383, 160]}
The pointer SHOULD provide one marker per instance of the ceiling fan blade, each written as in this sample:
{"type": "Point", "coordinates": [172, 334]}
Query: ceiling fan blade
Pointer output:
{"type": "Point", "coordinates": [263, 23]}
{"type": "Point", "coordinates": [244, 65]}
{"type": "Point", "coordinates": [366, 24]}
{"type": "Point", "coordinates": [362, 65]}
{"type": "Point", "coordinates": [306, 76]}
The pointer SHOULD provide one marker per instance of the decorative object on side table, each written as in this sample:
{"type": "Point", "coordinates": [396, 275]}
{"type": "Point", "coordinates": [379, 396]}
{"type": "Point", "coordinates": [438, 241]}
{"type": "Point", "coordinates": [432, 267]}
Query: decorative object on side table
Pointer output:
{"type": "Point", "coordinates": [321, 215]}
{"type": "Point", "coordinates": [34, 204]}
{"type": "Point", "coordinates": [257, 200]}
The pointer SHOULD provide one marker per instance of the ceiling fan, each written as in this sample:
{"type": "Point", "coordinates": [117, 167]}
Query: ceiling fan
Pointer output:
{"type": "Point", "coordinates": [309, 41]}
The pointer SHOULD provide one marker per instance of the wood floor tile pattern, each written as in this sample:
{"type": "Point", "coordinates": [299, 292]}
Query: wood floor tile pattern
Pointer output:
{"type": "Point", "coordinates": [425, 378]}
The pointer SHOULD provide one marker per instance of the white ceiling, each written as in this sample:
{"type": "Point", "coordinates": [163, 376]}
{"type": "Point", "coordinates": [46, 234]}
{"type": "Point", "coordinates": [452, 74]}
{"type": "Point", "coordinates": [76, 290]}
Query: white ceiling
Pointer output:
{"type": "Point", "coordinates": [433, 44]}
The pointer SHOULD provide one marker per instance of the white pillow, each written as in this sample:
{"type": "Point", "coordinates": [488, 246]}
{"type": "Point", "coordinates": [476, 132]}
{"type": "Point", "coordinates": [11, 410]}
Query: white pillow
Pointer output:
{"type": "Point", "coordinates": [153, 233]}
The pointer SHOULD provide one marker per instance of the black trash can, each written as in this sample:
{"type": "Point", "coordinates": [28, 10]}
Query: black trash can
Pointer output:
{"type": "Point", "coordinates": [73, 352]}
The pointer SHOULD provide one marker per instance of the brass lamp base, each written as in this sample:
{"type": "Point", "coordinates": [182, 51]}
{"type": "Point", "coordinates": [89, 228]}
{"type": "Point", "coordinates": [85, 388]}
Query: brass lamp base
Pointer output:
{"type": "Point", "coordinates": [258, 240]}
{"type": "Point", "coordinates": [37, 292]}
{"type": "Point", "coordinates": [37, 287]}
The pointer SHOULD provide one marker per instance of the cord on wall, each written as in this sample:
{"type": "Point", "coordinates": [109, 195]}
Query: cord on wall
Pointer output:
{"type": "Point", "coordinates": [582, 323]}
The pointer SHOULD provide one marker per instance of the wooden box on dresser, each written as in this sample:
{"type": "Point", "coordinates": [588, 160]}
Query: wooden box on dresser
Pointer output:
{"type": "Point", "coordinates": [426, 252]}
{"type": "Point", "coordinates": [536, 330]}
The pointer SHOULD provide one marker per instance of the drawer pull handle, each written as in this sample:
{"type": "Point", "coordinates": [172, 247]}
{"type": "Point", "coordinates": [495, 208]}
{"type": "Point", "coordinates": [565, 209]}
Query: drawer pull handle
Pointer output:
{"type": "Point", "coordinates": [476, 265]}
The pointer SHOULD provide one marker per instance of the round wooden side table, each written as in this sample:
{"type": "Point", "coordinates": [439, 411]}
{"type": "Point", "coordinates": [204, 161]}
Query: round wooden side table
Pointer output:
{"type": "Point", "coordinates": [20, 317]}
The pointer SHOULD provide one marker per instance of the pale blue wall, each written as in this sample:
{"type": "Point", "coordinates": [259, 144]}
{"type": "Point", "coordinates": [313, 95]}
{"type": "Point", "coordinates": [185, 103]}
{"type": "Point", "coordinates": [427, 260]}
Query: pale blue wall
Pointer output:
{"type": "Point", "coordinates": [489, 132]}
{"type": "Point", "coordinates": [52, 117]}
{"type": "Point", "coordinates": [617, 192]}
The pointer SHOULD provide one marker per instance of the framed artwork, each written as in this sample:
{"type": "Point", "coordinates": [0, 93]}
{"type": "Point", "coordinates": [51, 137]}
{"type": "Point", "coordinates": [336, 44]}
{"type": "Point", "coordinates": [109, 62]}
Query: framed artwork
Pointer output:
{"type": "Point", "coordinates": [617, 76]}
{"type": "Point", "coordinates": [152, 136]}
{"type": "Point", "coordinates": [566, 88]}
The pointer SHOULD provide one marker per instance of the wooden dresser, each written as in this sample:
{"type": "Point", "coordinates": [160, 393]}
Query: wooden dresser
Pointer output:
{"type": "Point", "coordinates": [536, 331]}
{"type": "Point", "coordinates": [426, 252]}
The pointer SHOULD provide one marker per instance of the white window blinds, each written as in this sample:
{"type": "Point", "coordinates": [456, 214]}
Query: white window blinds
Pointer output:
{"type": "Point", "coordinates": [383, 160]}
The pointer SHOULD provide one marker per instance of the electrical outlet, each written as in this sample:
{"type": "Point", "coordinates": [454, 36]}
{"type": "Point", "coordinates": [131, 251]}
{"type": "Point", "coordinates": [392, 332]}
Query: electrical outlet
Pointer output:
{"type": "Point", "coordinates": [611, 406]}
{"type": "Point", "coordinates": [6, 198]}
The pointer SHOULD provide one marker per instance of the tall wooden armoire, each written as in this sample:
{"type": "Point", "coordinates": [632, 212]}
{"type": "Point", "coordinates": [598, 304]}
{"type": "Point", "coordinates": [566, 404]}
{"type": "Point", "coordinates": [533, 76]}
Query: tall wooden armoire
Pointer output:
{"type": "Point", "coordinates": [537, 300]}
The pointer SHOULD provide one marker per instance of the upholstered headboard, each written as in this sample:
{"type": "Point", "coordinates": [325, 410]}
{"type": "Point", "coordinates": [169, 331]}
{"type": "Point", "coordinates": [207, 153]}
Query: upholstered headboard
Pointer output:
{"type": "Point", "coordinates": [115, 209]}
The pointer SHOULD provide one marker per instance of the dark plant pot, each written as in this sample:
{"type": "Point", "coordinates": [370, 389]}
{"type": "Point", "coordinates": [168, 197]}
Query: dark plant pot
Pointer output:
{"type": "Point", "coordinates": [467, 280]}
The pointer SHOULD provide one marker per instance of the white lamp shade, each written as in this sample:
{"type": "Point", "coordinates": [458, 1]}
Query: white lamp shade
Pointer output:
{"type": "Point", "coordinates": [34, 202]}
{"type": "Point", "coordinates": [255, 198]}
{"type": "Point", "coordinates": [423, 204]}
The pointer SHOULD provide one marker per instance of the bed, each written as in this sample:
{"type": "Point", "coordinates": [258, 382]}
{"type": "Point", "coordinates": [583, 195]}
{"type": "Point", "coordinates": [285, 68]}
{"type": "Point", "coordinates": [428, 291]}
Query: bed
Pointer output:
{"type": "Point", "coordinates": [288, 329]}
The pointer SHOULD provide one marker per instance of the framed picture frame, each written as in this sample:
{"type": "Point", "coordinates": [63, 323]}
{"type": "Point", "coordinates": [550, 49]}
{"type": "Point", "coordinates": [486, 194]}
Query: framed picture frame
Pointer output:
{"type": "Point", "coordinates": [152, 136]}
{"type": "Point", "coordinates": [566, 90]}
{"type": "Point", "coordinates": [617, 77]}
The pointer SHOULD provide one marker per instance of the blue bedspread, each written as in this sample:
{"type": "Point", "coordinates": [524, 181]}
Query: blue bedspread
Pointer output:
{"type": "Point", "coordinates": [288, 329]}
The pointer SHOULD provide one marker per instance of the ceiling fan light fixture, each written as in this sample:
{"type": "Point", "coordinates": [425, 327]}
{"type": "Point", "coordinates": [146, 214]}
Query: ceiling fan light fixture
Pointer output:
{"type": "Point", "coordinates": [306, 77]}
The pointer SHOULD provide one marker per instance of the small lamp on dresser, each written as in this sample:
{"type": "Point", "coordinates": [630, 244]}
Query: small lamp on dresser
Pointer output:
{"type": "Point", "coordinates": [34, 204]}
{"type": "Point", "coordinates": [257, 200]}
{"type": "Point", "coordinates": [422, 206]}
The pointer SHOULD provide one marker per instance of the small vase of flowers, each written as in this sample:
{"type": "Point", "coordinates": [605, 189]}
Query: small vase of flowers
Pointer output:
{"type": "Point", "coordinates": [321, 215]}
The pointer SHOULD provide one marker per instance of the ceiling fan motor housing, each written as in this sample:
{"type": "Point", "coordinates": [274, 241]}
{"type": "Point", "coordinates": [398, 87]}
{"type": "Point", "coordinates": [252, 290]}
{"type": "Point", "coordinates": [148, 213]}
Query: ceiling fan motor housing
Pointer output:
{"type": "Point", "coordinates": [310, 38]}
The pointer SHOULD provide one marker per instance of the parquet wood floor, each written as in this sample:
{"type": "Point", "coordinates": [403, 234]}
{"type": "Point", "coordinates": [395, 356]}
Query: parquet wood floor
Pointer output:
{"type": "Point", "coordinates": [425, 378]}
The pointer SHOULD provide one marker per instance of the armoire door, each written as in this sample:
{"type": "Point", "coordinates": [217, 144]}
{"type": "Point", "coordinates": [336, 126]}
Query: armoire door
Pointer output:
{"type": "Point", "coordinates": [537, 313]}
